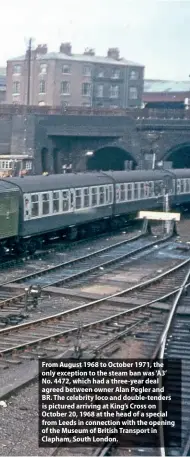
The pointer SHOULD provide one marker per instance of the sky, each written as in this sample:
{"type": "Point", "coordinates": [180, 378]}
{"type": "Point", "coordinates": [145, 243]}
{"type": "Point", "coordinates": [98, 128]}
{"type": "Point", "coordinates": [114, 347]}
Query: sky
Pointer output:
{"type": "Point", "coordinates": [155, 33]}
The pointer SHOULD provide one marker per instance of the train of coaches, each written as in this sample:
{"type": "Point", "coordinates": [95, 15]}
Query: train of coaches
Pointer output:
{"type": "Point", "coordinates": [36, 208]}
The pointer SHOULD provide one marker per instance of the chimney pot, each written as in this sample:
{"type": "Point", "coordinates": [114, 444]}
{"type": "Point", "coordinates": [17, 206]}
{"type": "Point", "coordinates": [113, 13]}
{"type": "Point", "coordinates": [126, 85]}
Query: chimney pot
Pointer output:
{"type": "Point", "coordinates": [113, 53]}
{"type": "Point", "coordinates": [89, 52]}
{"type": "Point", "coordinates": [65, 48]}
{"type": "Point", "coordinates": [42, 49]}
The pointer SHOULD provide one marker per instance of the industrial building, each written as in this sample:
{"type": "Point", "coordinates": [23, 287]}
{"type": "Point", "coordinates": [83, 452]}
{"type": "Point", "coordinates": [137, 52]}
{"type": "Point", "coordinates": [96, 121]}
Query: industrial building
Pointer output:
{"type": "Point", "coordinates": [166, 94]}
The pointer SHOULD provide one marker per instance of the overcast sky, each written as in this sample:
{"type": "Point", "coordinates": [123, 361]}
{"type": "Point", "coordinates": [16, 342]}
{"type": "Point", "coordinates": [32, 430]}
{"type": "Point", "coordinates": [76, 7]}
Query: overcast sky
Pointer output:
{"type": "Point", "coordinates": [155, 33]}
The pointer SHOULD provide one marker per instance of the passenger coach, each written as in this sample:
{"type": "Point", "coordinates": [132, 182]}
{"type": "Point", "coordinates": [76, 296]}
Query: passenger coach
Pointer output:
{"type": "Point", "coordinates": [70, 203]}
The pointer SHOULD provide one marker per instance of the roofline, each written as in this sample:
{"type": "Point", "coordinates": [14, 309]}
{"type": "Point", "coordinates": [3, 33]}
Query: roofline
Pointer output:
{"type": "Point", "coordinates": [124, 63]}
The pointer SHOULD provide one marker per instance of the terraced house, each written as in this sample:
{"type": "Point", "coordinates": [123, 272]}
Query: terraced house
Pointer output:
{"type": "Point", "coordinates": [64, 78]}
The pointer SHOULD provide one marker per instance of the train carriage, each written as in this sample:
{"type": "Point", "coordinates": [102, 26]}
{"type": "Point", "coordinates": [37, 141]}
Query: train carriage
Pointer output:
{"type": "Point", "coordinates": [142, 189]}
{"type": "Point", "coordinates": [57, 202]}
{"type": "Point", "coordinates": [83, 202]}
{"type": "Point", "coordinates": [9, 212]}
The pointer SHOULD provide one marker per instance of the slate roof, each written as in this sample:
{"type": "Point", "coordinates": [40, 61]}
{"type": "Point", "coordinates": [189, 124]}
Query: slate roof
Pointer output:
{"type": "Point", "coordinates": [81, 58]}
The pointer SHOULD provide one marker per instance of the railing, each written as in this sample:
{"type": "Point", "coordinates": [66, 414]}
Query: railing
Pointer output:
{"type": "Point", "coordinates": [133, 113]}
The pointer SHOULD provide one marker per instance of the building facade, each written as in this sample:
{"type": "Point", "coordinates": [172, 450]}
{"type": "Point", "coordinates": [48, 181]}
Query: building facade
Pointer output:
{"type": "Point", "coordinates": [2, 85]}
{"type": "Point", "coordinates": [67, 79]}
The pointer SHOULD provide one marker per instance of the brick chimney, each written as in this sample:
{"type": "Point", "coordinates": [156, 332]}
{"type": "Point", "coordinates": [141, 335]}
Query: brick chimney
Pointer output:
{"type": "Point", "coordinates": [113, 53]}
{"type": "Point", "coordinates": [89, 52]}
{"type": "Point", "coordinates": [66, 48]}
{"type": "Point", "coordinates": [42, 49]}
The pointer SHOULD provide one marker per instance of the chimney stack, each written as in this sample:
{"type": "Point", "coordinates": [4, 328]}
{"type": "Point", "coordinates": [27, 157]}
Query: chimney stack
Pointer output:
{"type": "Point", "coordinates": [66, 48]}
{"type": "Point", "coordinates": [89, 52]}
{"type": "Point", "coordinates": [113, 53]}
{"type": "Point", "coordinates": [42, 49]}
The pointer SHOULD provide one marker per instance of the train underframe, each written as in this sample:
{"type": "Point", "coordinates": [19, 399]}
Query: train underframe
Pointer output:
{"type": "Point", "coordinates": [29, 245]}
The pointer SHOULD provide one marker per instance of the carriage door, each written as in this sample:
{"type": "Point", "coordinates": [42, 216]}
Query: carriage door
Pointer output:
{"type": "Point", "coordinates": [72, 200]}
{"type": "Point", "coordinates": [27, 207]}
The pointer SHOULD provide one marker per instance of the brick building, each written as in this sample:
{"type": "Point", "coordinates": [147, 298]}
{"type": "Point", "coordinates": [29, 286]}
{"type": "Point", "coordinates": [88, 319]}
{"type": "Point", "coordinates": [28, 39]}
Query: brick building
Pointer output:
{"type": "Point", "coordinates": [67, 79]}
{"type": "Point", "coordinates": [2, 85]}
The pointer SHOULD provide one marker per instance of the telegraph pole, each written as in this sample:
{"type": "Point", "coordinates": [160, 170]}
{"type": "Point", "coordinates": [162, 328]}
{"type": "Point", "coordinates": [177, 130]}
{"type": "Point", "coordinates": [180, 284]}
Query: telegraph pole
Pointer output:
{"type": "Point", "coordinates": [29, 69]}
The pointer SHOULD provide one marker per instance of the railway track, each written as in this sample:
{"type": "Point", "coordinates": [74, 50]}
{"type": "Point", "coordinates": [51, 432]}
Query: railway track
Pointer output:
{"type": "Point", "coordinates": [99, 335]}
{"type": "Point", "coordinates": [13, 304]}
{"type": "Point", "coordinates": [173, 343]}
{"type": "Point", "coordinates": [93, 320]}
{"type": "Point", "coordinates": [55, 244]}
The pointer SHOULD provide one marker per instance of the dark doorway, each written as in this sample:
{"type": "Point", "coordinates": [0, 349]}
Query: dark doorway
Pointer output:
{"type": "Point", "coordinates": [180, 156]}
{"type": "Point", "coordinates": [44, 159]}
{"type": "Point", "coordinates": [109, 158]}
{"type": "Point", "coordinates": [56, 161]}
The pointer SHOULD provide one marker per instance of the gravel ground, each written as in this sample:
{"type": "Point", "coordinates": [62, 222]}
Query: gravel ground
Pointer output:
{"type": "Point", "coordinates": [19, 421]}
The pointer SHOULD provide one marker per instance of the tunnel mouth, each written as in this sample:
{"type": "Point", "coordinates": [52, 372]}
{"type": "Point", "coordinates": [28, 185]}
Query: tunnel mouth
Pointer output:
{"type": "Point", "coordinates": [179, 156]}
{"type": "Point", "coordinates": [110, 158]}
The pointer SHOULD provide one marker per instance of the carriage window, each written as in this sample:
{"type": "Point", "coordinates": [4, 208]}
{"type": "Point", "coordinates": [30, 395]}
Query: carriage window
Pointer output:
{"type": "Point", "coordinates": [34, 205]}
{"type": "Point", "coordinates": [107, 195]}
{"type": "Point", "coordinates": [94, 196]}
{"type": "Point", "coordinates": [187, 185]}
{"type": "Point", "coordinates": [182, 186]}
{"type": "Point", "coordinates": [178, 186]}
{"type": "Point", "coordinates": [151, 189]}
{"type": "Point", "coordinates": [158, 188]}
{"type": "Point", "coordinates": [122, 192]}
{"type": "Point", "coordinates": [101, 195]}
{"type": "Point", "coordinates": [45, 203]}
{"type": "Point", "coordinates": [136, 187]}
{"type": "Point", "coordinates": [118, 193]}
{"type": "Point", "coordinates": [86, 197]}
{"type": "Point", "coordinates": [142, 190]}
{"type": "Point", "coordinates": [55, 202]}
{"type": "Point", "coordinates": [65, 200]}
{"type": "Point", "coordinates": [78, 198]}
{"type": "Point", "coordinates": [129, 191]}
{"type": "Point", "coordinates": [146, 189]}
{"type": "Point", "coordinates": [110, 194]}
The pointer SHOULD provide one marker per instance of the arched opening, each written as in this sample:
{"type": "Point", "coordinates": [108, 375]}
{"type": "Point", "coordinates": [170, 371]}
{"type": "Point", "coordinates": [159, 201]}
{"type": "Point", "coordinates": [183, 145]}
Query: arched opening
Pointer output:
{"type": "Point", "coordinates": [56, 161]}
{"type": "Point", "coordinates": [110, 158]}
{"type": "Point", "coordinates": [179, 156]}
{"type": "Point", "coordinates": [44, 159]}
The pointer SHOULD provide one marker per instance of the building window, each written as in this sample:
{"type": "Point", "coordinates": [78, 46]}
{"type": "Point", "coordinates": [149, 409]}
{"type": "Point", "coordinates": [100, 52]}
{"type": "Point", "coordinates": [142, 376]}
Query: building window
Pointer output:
{"type": "Point", "coordinates": [86, 70]}
{"type": "Point", "coordinates": [17, 70]}
{"type": "Point", "coordinates": [16, 87]}
{"type": "Point", "coordinates": [65, 88]}
{"type": "Point", "coordinates": [100, 90]}
{"type": "Point", "coordinates": [133, 95]}
{"type": "Point", "coordinates": [134, 75]}
{"type": "Point", "coordinates": [115, 73]}
{"type": "Point", "coordinates": [101, 73]}
{"type": "Point", "coordinates": [66, 69]}
{"type": "Point", "coordinates": [43, 68]}
{"type": "Point", "coordinates": [42, 88]}
{"type": "Point", "coordinates": [28, 165]}
{"type": "Point", "coordinates": [86, 89]}
{"type": "Point", "coordinates": [114, 91]}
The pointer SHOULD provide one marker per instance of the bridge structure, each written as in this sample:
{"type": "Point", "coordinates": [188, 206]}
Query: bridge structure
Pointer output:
{"type": "Point", "coordinates": [94, 139]}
